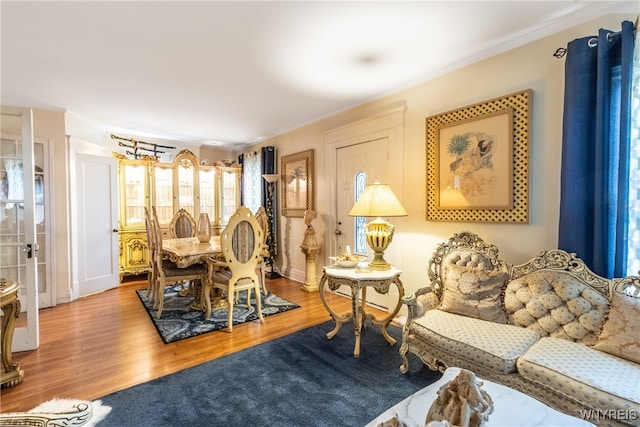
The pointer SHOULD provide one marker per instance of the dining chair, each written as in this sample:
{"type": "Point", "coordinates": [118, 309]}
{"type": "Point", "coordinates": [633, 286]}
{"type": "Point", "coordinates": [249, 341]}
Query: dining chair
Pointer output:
{"type": "Point", "coordinates": [182, 224]}
{"type": "Point", "coordinates": [261, 217]}
{"type": "Point", "coordinates": [241, 245]}
{"type": "Point", "coordinates": [151, 246]}
{"type": "Point", "coordinates": [167, 272]}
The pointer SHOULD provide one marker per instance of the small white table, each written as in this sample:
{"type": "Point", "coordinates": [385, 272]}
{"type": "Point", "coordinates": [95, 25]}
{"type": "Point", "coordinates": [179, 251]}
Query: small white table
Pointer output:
{"type": "Point", "coordinates": [334, 277]}
{"type": "Point", "coordinates": [510, 407]}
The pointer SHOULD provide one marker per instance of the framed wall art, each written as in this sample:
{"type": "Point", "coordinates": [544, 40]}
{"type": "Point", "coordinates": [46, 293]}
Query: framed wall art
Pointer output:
{"type": "Point", "coordinates": [297, 183]}
{"type": "Point", "coordinates": [478, 161]}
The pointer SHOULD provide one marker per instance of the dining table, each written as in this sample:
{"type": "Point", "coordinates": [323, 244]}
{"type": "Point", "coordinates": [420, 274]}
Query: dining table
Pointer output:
{"type": "Point", "coordinates": [187, 251]}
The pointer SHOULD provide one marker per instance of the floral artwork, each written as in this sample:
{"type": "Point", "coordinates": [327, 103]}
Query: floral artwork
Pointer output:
{"type": "Point", "coordinates": [475, 163]}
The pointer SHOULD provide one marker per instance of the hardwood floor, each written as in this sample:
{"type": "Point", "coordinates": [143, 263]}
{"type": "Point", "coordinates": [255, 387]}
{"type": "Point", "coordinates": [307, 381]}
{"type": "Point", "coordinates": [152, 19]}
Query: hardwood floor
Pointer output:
{"type": "Point", "coordinates": [106, 342]}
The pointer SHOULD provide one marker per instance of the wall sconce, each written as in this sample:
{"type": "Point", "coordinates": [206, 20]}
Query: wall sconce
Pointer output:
{"type": "Point", "coordinates": [377, 200]}
{"type": "Point", "coordinates": [271, 177]}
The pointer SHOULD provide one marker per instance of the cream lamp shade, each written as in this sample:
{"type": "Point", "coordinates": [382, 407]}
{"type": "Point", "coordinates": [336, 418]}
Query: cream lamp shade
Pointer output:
{"type": "Point", "coordinates": [270, 177]}
{"type": "Point", "coordinates": [377, 200]}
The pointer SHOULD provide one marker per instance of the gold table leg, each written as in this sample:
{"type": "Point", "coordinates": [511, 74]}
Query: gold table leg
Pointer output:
{"type": "Point", "coordinates": [384, 322]}
{"type": "Point", "coordinates": [338, 319]}
{"type": "Point", "coordinates": [12, 374]}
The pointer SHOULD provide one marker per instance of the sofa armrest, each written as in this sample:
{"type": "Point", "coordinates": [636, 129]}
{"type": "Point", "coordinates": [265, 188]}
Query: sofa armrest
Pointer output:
{"type": "Point", "coordinates": [421, 301]}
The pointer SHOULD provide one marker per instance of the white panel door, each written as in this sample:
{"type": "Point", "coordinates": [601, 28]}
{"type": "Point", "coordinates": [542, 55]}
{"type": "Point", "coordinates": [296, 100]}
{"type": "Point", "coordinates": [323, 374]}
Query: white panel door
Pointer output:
{"type": "Point", "coordinates": [370, 158]}
{"type": "Point", "coordinates": [97, 214]}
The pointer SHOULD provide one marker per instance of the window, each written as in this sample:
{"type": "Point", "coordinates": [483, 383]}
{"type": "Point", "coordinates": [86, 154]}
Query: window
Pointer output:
{"type": "Point", "coordinates": [359, 181]}
{"type": "Point", "coordinates": [633, 235]}
{"type": "Point", "coordinates": [252, 181]}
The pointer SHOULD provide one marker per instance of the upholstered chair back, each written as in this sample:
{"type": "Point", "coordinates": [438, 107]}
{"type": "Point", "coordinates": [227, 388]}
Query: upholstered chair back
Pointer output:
{"type": "Point", "coordinates": [464, 250]}
{"type": "Point", "coordinates": [183, 225]}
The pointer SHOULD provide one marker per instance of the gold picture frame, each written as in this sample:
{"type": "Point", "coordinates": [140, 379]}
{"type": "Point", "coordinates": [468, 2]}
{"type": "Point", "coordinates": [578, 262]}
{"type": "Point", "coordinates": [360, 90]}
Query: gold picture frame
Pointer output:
{"type": "Point", "coordinates": [297, 183]}
{"type": "Point", "coordinates": [478, 161]}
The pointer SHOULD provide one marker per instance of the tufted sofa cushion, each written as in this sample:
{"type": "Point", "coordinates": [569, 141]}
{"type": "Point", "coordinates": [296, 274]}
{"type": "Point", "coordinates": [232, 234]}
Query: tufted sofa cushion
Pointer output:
{"type": "Point", "coordinates": [556, 304]}
{"type": "Point", "coordinates": [464, 258]}
{"type": "Point", "coordinates": [496, 346]}
{"type": "Point", "coordinates": [594, 378]}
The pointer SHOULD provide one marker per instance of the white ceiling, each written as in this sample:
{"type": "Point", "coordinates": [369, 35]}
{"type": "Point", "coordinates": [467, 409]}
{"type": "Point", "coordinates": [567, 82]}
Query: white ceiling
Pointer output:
{"type": "Point", "coordinates": [233, 73]}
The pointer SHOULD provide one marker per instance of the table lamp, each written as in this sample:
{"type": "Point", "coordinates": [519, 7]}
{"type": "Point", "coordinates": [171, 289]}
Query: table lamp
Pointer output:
{"type": "Point", "coordinates": [377, 200]}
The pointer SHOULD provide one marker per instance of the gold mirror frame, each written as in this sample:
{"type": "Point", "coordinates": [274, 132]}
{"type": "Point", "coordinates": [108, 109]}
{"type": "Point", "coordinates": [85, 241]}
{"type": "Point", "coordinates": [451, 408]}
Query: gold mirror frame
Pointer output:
{"type": "Point", "coordinates": [296, 176]}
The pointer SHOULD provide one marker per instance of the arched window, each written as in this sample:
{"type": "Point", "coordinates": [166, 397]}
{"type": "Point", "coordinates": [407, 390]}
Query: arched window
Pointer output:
{"type": "Point", "coordinates": [360, 243]}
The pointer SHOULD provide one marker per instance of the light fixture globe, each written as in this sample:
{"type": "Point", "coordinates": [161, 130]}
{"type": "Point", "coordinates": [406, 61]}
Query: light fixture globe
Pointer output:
{"type": "Point", "coordinates": [377, 200]}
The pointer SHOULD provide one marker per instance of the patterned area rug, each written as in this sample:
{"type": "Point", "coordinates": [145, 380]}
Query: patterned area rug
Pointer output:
{"type": "Point", "coordinates": [180, 321]}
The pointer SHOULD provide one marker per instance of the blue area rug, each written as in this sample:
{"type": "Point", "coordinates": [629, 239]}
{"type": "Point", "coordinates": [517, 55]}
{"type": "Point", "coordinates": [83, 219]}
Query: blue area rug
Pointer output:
{"type": "Point", "coordinates": [302, 379]}
{"type": "Point", "coordinates": [179, 321]}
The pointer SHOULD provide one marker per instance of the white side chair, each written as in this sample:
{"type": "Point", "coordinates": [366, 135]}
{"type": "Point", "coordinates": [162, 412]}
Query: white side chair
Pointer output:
{"type": "Point", "coordinates": [241, 244]}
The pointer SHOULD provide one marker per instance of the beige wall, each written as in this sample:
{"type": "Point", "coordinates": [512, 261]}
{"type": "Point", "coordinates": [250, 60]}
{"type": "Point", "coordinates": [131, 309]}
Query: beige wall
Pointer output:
{"type": "Point", "coordinates": [212, 155]}
{"type": "Point", "coordinates": [530, 67]}
{"type": "Point", "coordinates": [49, 126]}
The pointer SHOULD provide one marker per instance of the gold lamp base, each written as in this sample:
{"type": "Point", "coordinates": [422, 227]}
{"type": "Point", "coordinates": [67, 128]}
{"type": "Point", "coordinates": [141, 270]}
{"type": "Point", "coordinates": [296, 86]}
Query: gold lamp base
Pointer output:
{"type": "Point", "coordinates": [379, 235]}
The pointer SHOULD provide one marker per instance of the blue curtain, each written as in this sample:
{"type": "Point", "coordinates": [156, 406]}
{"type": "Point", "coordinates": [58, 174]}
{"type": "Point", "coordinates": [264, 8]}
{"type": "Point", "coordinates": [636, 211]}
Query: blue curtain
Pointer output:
{"type": "Point", "coordinates": [269, 167]}
{"type": "Point", "coordinates": [595, 150]}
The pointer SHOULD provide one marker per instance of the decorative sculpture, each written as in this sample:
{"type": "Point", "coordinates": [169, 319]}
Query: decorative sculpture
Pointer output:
{"type": "Point", "coordinates": [393, 422]}
{"type": "Point", "coordinates": [461, 402]}
{"type": "Point", "coordinates": [310, 248]}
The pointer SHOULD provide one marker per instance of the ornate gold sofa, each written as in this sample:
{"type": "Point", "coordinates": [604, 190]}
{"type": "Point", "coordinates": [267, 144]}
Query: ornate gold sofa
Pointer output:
{"type": "Point", "coordinates": [550, 328]}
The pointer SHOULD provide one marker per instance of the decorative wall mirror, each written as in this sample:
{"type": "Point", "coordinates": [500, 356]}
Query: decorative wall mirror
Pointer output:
{"type": "Point", "coordinates": [297, 183]}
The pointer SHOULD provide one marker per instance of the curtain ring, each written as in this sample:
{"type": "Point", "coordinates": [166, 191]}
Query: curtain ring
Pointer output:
{"type": "Point", "coordinates": [609, 37]}
{"type": "Point", "coordinates": [593, 42]}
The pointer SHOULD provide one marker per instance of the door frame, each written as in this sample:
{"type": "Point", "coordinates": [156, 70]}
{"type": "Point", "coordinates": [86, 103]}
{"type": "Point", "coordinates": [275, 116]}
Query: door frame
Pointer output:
{"type": "Point", "coordinates": [387, 124]}
{"type": "Point", "coordinates": [80, 149]}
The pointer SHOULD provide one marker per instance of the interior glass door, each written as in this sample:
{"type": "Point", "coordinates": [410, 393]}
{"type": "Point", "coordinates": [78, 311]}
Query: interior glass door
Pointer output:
{"type": "Point", "coordinates": [134, 188]}
{"type": "Point", "coordinates": [18, 242]}
{"type": "Point", "coordinates": [229, 188]}
{"type": "Point", "coordinates": [207, 188]}
{"type": "Point", "coordinates": [186, 185]}
{"type": "Point", "coordinates": [163, 193]}
{"type": "Point", "coordinates": [42, 218]}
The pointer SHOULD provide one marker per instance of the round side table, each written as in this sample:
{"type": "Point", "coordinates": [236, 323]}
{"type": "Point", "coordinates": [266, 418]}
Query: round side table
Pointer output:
{"type": "Point", "coordinates": [334, 277]}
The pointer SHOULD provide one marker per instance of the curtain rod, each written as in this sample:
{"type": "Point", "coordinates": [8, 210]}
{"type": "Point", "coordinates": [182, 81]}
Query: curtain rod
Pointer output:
{"type": "Point", "coordinates": [593, 42]}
